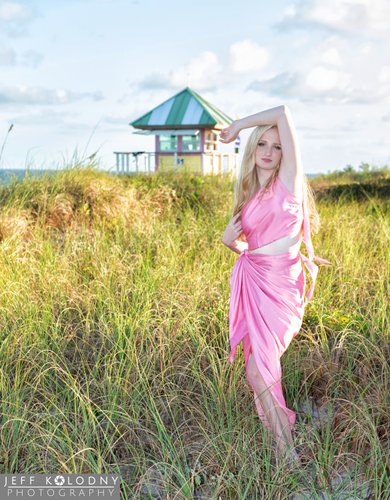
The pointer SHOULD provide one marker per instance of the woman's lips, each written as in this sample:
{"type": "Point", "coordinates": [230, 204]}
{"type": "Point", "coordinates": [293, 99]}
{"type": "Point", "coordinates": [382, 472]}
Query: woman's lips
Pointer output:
{"type": "Point", "coordinates": [267, 160]}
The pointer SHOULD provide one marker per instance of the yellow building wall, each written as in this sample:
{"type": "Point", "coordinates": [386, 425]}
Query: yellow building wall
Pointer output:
{"type": "Point", "coordinates": [191, 163]}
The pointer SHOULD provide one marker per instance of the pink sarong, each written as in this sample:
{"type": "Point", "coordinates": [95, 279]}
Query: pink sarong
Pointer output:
{"type": "Point", "coordinates": [267, 292]}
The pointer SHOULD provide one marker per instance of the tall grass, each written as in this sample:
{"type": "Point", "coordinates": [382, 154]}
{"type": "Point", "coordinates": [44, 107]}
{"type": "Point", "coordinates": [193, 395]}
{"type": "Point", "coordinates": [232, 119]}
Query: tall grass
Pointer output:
{"type": "Point", "coordinates": [114, 341]}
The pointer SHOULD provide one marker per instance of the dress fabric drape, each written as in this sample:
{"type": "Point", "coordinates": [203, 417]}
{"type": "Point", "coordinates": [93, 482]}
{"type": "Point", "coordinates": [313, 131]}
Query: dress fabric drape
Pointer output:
{"type": "Point", "coordinates": [267, 292]}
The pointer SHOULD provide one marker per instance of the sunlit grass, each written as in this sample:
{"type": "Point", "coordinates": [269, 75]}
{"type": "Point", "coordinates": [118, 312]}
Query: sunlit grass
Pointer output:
{"type": "Point", "coordinates": [114, 340]}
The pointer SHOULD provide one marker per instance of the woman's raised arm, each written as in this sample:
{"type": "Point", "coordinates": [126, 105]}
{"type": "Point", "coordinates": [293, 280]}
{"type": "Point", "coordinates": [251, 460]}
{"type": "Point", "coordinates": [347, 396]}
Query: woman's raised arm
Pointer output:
{"type": "Point", "coordinates": [291, 163]}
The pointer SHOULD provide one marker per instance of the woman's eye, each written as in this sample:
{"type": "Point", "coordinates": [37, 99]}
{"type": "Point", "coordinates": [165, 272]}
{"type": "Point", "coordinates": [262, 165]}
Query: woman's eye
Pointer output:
{"type": "Point", "coordinates": [262, 144]}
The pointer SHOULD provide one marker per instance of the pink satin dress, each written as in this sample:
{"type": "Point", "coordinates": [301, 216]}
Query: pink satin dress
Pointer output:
{"type": "Point", "coordinates": [267, 292]}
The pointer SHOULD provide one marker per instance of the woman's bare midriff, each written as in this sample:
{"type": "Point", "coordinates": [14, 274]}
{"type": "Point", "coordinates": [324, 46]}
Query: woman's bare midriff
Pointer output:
{"type": "Point", "coordinates": [283, 245]}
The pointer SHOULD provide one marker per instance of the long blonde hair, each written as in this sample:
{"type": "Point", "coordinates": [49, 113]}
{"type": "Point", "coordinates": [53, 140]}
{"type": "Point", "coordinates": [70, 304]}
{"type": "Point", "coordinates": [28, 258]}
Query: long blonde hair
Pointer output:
{"type": "Point", "coordinates": [247, 183]}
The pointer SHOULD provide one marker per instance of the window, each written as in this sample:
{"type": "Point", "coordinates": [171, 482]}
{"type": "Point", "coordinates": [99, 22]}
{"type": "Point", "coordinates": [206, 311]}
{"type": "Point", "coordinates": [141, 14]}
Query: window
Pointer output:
{"type": "Point", "coordinates": [211, 140]}
{"type": "Point", "coordinates": [191, 142]}
{"type": "Point", "coordinates": [168, 142]}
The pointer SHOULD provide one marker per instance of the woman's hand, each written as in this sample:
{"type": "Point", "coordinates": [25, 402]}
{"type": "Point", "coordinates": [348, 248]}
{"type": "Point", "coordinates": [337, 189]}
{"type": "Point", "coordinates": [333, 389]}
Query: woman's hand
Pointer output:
{"type": "Point", "coordinates": [232, 231]}
{"type": "Point", "coordinates": [230, 133]}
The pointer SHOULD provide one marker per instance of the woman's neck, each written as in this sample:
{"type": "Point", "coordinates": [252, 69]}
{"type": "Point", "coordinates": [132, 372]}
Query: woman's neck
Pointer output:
{"type": "Point", "coordinates": [263, 175]}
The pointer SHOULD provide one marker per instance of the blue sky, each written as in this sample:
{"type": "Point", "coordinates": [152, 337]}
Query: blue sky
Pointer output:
{"type": "Point", "coordinates": [74, 73]}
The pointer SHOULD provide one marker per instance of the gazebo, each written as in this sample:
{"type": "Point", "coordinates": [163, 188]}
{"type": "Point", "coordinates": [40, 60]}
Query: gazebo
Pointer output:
{"type": "Point", "coordinates": [186, 128]}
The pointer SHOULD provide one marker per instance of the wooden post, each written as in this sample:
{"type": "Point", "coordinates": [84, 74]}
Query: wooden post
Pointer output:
{"type": "Point", "coordinates": [116, 163]}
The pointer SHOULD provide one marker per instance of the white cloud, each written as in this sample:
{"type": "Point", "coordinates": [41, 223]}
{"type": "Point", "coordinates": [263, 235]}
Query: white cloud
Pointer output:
{"type": "Point", "coordinates": [202, 72]}
{"type": "Point", "coordinates": [333, 70]}
{"type": "Point", "coordinates": [14, 18]}
{"type": "Point", "coordinates": [342, 14]}
{"type": "Point", "coordinates": [23, 94]}
{"type": "Point", "coordinates": [321, 85]}
{"type": "Point", "coordinates": [321, 79]}
{"type": "Point", "coordinates": [246, 56]}
{"type": "Point", "coordinates": [378, 13]}
{"type": "Point", "coordinates": [153, 81]}
{"type": "Point", "coordinates": [205, 72]}
{"type": "Point", "coordinates": [31, 58]}
{"type": "Point", "coordinates": [7, 56]}
{"type": "Point", "coordinates": [384, 74]}
{"type": "Point", "coordinates": [348, 16]}
{"type": "Point", "coordinates": [12, 11]}
{"type": "Point", "coordinates": [43, 117]}
{"type": "Point", "coordinates": [332, 57]}
{"type": "Point", "coordinates": [331, 52]}
{"type": "Point", "coordinates": [365, 48]}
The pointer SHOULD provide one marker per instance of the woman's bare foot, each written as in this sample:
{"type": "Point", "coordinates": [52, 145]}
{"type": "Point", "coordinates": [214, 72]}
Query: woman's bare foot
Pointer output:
{"type": "Point", "coordinates": [288, 454]}
{"type": "Point", "coordinates": [293, 458]}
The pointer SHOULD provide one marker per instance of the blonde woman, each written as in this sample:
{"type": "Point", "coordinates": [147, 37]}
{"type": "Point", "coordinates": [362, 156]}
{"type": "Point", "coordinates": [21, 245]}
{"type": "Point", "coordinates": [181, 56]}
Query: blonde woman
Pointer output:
{"type": "Point", "coordinates": [272, 211]}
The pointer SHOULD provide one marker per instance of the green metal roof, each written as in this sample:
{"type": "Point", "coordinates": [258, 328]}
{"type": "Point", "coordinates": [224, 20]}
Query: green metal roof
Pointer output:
{"type": "Point", "coordinates": [183, 110]}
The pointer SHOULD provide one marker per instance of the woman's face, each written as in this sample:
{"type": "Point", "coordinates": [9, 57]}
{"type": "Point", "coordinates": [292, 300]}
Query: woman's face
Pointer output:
{"type": "Point", "coordinates": [269, 148]}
